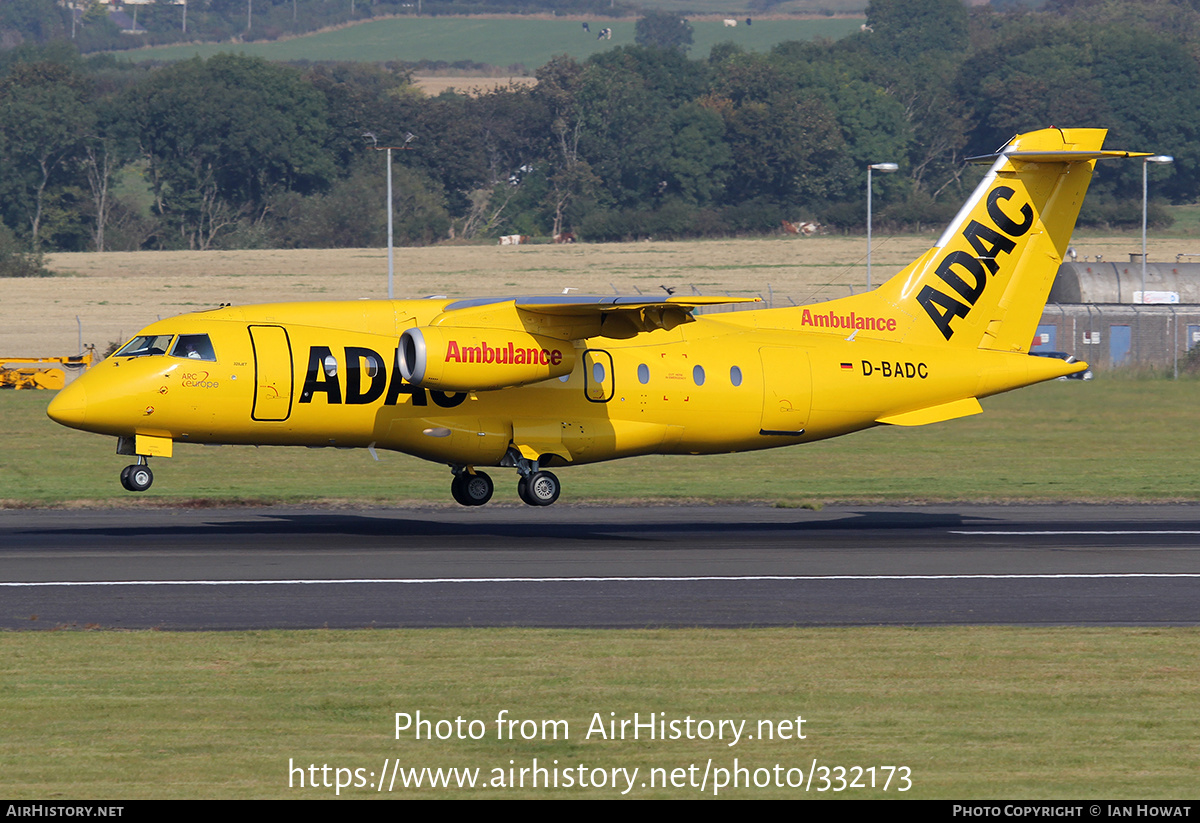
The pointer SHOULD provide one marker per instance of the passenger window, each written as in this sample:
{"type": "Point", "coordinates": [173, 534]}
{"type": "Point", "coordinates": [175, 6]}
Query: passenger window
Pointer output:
{"type": "Point", "coordinates": [698, 375]}
{"type": "Point", "coordinates": [643, 374]}
{"type": "Point", "coordinates": [147, 344]}
{"type": "Point", "coordinates": [372, 366]}
{"type": "Point", "coordinates": [194, 347]}
{"type": "Point", "coordinates": [735, 376]}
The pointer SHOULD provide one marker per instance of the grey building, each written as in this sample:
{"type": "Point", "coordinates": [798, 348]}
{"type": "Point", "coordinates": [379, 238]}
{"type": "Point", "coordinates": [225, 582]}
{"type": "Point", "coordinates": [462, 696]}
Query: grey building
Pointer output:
{"type": "Point", "coordinates": [1098, 313]}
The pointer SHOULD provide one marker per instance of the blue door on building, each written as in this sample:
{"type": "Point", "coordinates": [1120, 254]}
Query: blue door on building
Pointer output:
{"type": "Point", "coordinates": [1120, 342]}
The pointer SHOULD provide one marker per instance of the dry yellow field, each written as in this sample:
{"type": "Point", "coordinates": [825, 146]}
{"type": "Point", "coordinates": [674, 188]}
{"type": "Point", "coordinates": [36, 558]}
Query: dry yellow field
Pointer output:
{"type": "Point", "coordinates": [433, 85]}
{"type": "Point", "coordinates": [115, 294]}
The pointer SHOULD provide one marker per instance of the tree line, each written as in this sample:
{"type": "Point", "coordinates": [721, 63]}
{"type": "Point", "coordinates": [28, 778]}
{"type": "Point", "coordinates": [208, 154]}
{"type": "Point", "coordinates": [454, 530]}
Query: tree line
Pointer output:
{"type": "Point", "coordinates": [640, 141]}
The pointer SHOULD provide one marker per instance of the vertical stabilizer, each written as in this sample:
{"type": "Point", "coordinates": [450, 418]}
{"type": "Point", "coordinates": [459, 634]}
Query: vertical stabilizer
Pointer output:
{"type": "Point", "coordinates": [985, 283]}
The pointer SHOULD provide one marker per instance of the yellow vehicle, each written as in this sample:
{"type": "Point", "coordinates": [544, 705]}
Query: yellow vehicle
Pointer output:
{"type": "Point", "coordinates": [534, 383]}
{"type": "Point", "coordinates": [42, 372]}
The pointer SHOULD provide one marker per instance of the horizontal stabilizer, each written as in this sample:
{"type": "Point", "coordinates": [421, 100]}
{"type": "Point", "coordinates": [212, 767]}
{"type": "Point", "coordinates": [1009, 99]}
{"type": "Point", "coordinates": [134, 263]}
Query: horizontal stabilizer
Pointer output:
{"type": "Point", "coordinates": [1065, 156]}
{"type": "Point", "coordinates": [934, 414]}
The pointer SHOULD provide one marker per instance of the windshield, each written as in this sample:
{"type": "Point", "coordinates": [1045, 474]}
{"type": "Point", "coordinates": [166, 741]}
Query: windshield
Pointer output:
{"type": "Point", "coordinates": [194, 347]}
{"type": "Point", "coordinates": [144, 345]}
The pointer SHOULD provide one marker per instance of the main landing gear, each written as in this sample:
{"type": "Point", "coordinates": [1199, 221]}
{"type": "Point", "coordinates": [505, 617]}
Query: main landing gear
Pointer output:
{"type": "Point", "coordinates": [535, 486]}
{"type": "Point", "coordinates": [539, 489]}
{"type": "Point", "coordinates": [138, 477]}
{"type": "Point", "coordinates": [471, 489]}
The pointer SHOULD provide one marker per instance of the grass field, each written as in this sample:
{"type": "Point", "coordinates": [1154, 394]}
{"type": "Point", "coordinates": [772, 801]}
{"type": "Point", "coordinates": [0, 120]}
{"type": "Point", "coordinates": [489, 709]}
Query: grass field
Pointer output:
{"type": "Point", "coordinates": [972, 713]}
{"type": "Point", "coordinates": [1060, 441]}
{"type": "Point", "coordinates": [498, 41]}
{"type": "Point", "coordinates": [740, 8]}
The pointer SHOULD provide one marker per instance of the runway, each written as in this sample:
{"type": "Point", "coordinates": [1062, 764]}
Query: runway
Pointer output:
{"type": "Point", "coordinates": [564, 566]}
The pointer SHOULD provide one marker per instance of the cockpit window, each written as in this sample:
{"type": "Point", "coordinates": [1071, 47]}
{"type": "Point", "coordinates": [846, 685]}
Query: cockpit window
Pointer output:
{"type": "Point", "coordinates": [194, 347]}
{"type": "Point", "coordinates": [145, 345]}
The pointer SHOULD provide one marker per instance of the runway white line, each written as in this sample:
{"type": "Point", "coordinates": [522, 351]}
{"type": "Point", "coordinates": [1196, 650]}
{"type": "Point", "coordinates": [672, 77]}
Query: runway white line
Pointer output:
{"type": "Point", "coordinates": [715, 578]}
{"type": "Point", "coordinates": [1081, 531]}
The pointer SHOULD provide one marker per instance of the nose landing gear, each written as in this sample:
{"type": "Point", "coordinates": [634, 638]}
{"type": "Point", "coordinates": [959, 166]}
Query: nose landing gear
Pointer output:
{"type": "Point", "coordinates": [138, 477]}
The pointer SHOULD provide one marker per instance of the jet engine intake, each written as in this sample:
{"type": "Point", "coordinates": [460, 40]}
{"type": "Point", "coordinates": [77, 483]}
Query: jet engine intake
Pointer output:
{"type": "Point", "coordinates": [454, 359]}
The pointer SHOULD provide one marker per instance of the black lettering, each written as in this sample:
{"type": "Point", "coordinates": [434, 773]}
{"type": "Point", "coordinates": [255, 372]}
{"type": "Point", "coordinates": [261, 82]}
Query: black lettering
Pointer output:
{"type": "Point", "coordinates": [987, 243]}
{"type": "Point", "coordinates": [922, 371]}
{"type": "Point", "coordinates": [887, 368]}
{"type": "Point", "coordinates": [400, 386]}
{"type": "Point", "coordinates": [1005, 223]}
{"type": "Point", "coordinates": [867, 368]}
{"type": "Point", "coordinates": [448, 400]}
{"type": "Point", "coordinates": [910, 370]}
{"type": "Point", "coordinates": [930, 298]}
{"type": "Point", "coordinates": [317, 380]}
{"type": "Point", "coordinates": [964, 259]}
{"type": "Point", "coordinates": [354, 373]}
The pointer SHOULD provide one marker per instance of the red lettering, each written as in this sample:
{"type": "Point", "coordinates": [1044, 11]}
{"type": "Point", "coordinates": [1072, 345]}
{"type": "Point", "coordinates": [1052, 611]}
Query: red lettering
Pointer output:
{"type": "Point", "coordinates": [852, 320]}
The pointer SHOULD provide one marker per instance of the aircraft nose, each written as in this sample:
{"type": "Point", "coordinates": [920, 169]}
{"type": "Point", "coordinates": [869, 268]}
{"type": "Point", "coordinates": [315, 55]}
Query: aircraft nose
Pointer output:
{"type": "Point", "coordinates": [69, 406]}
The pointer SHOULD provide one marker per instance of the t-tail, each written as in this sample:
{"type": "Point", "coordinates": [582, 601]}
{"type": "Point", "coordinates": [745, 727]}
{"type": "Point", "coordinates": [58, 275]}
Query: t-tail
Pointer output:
{"type": "Point", "coordinates": [985, 282]}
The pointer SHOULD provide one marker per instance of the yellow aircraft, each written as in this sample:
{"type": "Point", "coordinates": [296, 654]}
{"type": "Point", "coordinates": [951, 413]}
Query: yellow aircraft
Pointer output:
{"type": "Point", "coordinates": [533, 383]}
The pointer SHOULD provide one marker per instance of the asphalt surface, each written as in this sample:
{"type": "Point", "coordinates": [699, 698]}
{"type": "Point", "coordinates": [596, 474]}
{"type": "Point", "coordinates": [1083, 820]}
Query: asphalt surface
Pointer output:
{"type": "Point", "coordinates": [242, 568]}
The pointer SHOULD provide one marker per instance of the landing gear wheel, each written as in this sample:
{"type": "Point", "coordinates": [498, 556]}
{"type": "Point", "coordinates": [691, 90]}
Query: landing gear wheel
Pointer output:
{"type": "Point", "coordinates": [137, 478]}
{"type": "Point", "coordinates": [539, 489]}
{"type": "Point", "coordinates": [472, 489]}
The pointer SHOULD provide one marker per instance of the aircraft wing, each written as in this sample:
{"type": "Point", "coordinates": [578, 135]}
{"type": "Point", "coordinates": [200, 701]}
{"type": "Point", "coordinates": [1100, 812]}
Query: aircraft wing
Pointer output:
{"type": "Point", "coordinates": [574, 317]}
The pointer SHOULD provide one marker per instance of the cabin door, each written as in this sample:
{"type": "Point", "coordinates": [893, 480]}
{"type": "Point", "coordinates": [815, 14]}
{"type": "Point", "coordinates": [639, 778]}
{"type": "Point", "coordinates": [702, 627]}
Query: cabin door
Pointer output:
{"type": "Point", "coordinates": [787, 391]}
{"type": "Point", "coordinates": [272, 373]}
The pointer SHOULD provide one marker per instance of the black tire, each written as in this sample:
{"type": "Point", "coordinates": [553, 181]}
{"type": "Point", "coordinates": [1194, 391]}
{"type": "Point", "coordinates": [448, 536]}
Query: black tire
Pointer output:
{"type": "Point", "coordinates": [472, 489]}
{"type": "Point", "coordinates": [541, 489]}
{"type": "Point", "coordinates": [457, 491]}
{"type": "Point", "coordinates": [125, 478]}
{"type": "Point", "coordinates": [139, 478]}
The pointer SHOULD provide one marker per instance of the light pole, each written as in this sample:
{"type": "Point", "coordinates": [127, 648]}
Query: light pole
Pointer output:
{"type": "Point", "coordinates": [1159, 159]}
{"type": "Point", "coordinates": [407, 139]}
{"type": "Point", "coordinates": [883, 167]}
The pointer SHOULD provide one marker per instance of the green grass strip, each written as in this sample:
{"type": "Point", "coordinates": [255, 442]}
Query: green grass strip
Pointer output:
{"type": "Point", "coordinates": [972, 712]}
{"type": "Point", "coordinates": [496, 41]}
{"type": "Point", "coordinates": [1102, 441]}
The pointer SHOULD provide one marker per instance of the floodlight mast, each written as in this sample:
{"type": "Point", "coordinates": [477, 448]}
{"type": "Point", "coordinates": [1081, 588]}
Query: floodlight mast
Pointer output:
{"type": "Point", "coordinates": [887, 168]}
{"type": "Point", "coordinates": [1161, 160]}
{"type": "Point", "coordinates": [408, 138]}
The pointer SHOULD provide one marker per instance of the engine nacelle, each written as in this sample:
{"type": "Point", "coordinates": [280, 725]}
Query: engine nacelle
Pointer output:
{"type": "Point", "coordinates": [449, 358]}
